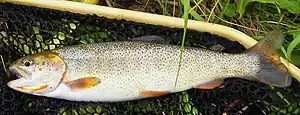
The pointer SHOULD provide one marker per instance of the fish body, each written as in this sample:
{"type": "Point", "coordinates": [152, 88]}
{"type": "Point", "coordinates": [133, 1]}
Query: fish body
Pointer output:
{"type": "Point", "coordinates": [128, 68]}
{"type": "Point", "coordinates": [122, 71]}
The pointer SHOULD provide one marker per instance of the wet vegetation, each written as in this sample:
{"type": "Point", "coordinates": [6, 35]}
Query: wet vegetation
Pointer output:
{"type": "Point", "coordinates": [253, 17]}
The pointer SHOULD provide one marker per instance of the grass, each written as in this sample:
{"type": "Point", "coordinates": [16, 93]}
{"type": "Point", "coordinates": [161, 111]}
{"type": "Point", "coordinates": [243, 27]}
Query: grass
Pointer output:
{"type": "Point", "coordinates": [227, 15]}
{"type": "Point", "coordinates": [186, 5]}
{"type": "Point", "coordinates": [254, 17]}
{"type": "Point", "coordinates": [291, 47]}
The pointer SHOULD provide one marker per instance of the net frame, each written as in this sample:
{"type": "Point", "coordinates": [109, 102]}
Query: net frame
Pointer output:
{"type": "Point", "coordinates": [163, 98]}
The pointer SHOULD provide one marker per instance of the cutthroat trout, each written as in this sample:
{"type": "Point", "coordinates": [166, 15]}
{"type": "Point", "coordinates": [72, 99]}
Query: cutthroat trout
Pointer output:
{"type": "Point", "coordinates": [131, 70]}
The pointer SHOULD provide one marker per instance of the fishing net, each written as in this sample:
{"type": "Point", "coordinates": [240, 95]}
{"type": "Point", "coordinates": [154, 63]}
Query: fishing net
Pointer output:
{"type": "Point", "coordinates": [27, 30]}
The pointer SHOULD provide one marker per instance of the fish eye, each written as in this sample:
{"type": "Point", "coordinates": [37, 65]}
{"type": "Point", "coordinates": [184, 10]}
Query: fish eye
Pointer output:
{"type": "Point", "coordinates": [28, 63]}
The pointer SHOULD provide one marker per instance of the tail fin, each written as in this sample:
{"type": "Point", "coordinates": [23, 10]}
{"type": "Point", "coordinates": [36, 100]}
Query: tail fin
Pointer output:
{"type": "Point", "coordinates": [272, 71]}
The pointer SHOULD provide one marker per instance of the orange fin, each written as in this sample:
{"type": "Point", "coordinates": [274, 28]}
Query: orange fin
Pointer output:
{"type": "Point", "coordinates": [209, 85]}
{"type": "Point", "coordinates": [83, 83]}
{"type": "Point", "coordinates": [34, 88]}
{"type": "Point", "coordinates": [152, 93]}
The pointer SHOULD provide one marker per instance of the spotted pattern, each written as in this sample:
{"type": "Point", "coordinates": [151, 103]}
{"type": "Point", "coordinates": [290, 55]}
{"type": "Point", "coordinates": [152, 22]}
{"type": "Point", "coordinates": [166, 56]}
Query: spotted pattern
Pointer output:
{"type": "Point", "coordinates": [129, 67]}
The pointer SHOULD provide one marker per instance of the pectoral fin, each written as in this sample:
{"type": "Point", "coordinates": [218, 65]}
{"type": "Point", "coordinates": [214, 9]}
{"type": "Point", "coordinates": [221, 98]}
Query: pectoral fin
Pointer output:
{"type": "Point", "coordinates": [83, 83]}
{"type": "Point", "coordinates": [152, 93]}
{"type": "Point", "coordinates": [209, 85]}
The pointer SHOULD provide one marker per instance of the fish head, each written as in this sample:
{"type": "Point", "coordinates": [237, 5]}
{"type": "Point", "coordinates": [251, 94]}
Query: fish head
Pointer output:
{"type": "Point", "coordinates": [38, 73]}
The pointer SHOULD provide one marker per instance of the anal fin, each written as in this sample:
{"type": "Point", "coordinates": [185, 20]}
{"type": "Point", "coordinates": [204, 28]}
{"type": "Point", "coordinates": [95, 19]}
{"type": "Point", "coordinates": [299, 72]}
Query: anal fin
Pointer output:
{"type": "Point", "coordinates": [209, 85]}
{"type": "Point", "coordinates": [152, 93]}
{"type": "Point", "coordinates": [83, 83]}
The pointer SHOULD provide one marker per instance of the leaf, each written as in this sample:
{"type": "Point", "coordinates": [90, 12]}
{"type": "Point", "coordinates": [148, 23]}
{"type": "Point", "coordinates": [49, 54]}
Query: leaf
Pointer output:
{"type": "Point", "coordinates": [266, 1]}
{"type": "Point", "coordinates": [241, 6]}
{"type": "Point", "coordinates": [295, 58]}
{"type": "Point", "coordinates": [283, 51]}
{"type": "Point", "coordinates": [196, 15]}
{"type": "Point", "coordinates": [294, 34]}
{"type": "Point", "coordinates": [292, 6]}
{"type": "Point", "coordinates": [230, 10]}
{"type": "Point", "coordinates": [292, 45]}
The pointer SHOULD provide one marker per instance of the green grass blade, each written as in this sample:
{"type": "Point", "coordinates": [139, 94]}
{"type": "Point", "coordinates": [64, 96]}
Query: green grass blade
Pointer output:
{"type": "Point", "coordinates": [193, 13]}
{"type": "Point", "coordinates": [241, 6]}
{"type": "Point", "coordinates": [186, 7]}
{"type": "Point", "coordinates": [292, 45]}
{"type": "Point", "coordinates": [196, 15]}
{"type": "Point", "coordinates": [284, 52]}
{"type": "Point", "coordinates": [164, 9]}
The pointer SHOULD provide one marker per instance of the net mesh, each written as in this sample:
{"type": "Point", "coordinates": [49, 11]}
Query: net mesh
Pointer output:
{"type": "Point", "coordinates": [27, 30]}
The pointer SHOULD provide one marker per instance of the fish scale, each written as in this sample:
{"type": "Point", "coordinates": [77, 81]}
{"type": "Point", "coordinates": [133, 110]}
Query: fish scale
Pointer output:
{"type": "Point", "coordinates": [121, 71]}
{"type": "Point", "coordinates": [141, 61]}
{"type": "Point", "coordinates": [153, 66]}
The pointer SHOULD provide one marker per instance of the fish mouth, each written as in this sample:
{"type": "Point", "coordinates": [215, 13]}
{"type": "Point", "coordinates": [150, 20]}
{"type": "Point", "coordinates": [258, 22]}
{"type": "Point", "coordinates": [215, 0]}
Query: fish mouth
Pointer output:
{"type": "Point", "coordinates": [23, 83]}
{"type": "Point", "coordinates": [17, 72]}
